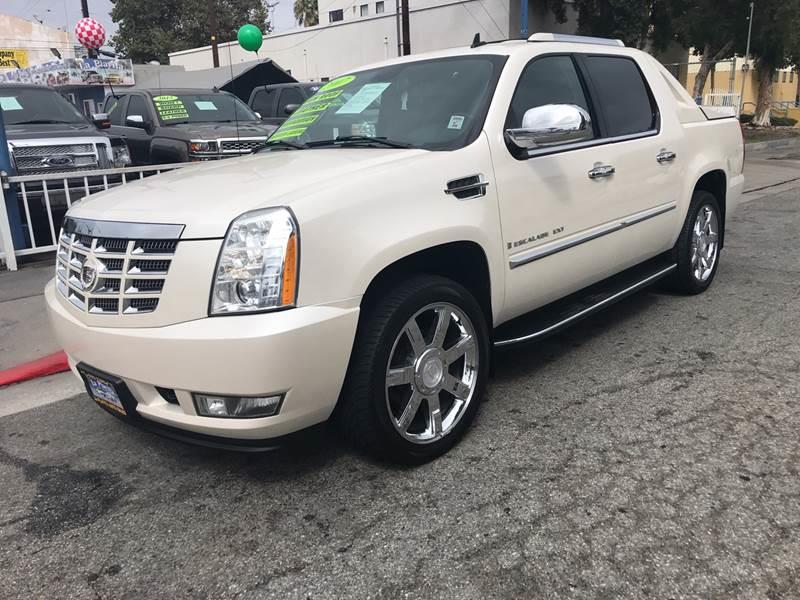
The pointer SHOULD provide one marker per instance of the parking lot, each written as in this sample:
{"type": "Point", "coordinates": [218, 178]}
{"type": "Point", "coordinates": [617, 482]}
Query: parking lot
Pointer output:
{"type": "Point", "coordinates": [649, 452]}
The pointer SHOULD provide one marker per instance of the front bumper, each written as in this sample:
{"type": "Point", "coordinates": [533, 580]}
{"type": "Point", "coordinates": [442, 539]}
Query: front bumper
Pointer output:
{"type": "Point", "coordinates": [302, 352]}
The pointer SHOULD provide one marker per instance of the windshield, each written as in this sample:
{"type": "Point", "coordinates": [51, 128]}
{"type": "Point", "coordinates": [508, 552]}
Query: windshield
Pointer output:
{"type": "Point", "coordinates": [28, 105]}
{"type": "Point", "coordinates": [437, 104]}
{"type": "Point", "coordinates": [202, 108]}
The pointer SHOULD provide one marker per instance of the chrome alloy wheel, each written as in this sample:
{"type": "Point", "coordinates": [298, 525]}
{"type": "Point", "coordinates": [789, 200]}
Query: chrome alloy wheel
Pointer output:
{"type": "Point", "coordinates": [705, 243]}
{"type": "Point", "coordinates": [432, 373]}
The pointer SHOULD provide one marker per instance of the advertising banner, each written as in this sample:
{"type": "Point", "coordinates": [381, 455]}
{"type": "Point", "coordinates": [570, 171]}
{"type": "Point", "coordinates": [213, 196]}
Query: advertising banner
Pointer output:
{"type": "Point", "coordinates": [13, 58]}
{"type": "Point", "coordinates": [74, 71]}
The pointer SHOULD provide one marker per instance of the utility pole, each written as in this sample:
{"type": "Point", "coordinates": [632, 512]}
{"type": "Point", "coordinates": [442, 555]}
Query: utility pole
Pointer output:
{"type": "Point", "coordinates": [85, 12]}
{"type": "Point", "coordinates": [405, 27]}
{"type": "Point", "coordinates": [397, 22]}
{"type": "Point", "coordinates": [746, 65]}
{"type": "Point", "coordinates": [212, 27]}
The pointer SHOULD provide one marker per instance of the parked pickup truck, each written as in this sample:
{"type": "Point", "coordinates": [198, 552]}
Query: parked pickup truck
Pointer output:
{"type": "Point", "coordinates": [509, 190]}
{"type": "Point", "coordinates": [181, 125]}
{"type": "Point", "coordinates": [47, 134]}
{"type": "Point", "coordinates": [274, 103]}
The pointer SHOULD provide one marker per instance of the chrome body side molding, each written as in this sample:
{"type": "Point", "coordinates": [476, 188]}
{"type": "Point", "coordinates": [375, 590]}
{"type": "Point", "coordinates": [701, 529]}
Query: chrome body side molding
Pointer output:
{"type": "Point", "coordinates": [527, 256]}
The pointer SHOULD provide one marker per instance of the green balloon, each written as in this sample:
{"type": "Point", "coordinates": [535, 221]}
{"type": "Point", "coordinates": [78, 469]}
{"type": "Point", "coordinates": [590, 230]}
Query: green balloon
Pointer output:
{"type": "Point", "coordinates": [250, 38]}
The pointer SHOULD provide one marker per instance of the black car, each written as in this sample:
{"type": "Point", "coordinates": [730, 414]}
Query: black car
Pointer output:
{"type": "Point", "coordinates": [48, 134]}
{"type": "Point", "coordinates": [180, 125]}
{"type": "Point", "coordinates": [274, 103]}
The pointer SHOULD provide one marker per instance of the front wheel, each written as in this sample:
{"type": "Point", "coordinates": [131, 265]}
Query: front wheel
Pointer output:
{"type": "Point", "coordinates": [417, 372]}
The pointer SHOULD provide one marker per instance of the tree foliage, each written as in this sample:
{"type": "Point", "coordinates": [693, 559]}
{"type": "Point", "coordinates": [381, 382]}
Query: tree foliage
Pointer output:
{"type": "Point", "coordinates": [151, 29]}
{"type": "Point", "coordinates": [306, 12]}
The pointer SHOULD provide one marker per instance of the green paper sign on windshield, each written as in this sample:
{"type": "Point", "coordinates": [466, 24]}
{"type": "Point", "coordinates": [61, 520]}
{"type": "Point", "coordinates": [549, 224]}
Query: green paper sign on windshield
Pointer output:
{"type": "Point", "coordinates": [170, 108]}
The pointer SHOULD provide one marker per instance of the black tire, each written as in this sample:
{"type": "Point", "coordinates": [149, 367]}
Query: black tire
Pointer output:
{"type": "Point", "coordinates": [683, 279]}
{"type": "Point", "coordinates": [362, 414]}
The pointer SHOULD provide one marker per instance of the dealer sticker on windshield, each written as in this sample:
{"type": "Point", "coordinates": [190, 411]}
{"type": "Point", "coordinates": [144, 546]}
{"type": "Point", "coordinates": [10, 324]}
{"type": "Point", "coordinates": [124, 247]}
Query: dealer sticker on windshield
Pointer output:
{"type": "Point", "coordinates": [362, 98]}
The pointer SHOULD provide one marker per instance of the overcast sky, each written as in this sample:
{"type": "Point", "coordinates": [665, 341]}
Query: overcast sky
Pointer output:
{"type": "Point", "coordinates": [65, 13]}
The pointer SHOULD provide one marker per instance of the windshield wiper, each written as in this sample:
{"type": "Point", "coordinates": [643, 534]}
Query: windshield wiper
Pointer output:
{"type": "Point", "coordinates": [364, 140]}
{"type": "Point", "coordinates": [44, 122]}
{"type": "Point", "coordinates": [281, 144]}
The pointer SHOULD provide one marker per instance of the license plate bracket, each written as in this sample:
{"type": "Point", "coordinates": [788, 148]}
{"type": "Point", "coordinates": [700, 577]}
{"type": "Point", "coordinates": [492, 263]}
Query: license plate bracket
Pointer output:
{"type": "Point", "coordinates": [108, 391]}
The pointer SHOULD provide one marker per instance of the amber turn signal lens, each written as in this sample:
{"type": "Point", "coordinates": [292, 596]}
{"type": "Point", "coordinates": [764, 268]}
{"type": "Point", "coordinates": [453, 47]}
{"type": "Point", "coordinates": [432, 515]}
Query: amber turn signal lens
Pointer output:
{"type": "Point", "coordinates": [289, 283]}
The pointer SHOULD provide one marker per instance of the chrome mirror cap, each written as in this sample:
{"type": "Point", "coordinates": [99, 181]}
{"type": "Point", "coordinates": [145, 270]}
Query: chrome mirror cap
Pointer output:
{"type": "Point", "coordinates": [550, 125]}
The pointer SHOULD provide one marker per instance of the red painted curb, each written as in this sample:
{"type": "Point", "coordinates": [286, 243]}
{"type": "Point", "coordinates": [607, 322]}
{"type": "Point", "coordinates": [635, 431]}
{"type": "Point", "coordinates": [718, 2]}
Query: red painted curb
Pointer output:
{"type": "Point", "coordinates": [47, 365]}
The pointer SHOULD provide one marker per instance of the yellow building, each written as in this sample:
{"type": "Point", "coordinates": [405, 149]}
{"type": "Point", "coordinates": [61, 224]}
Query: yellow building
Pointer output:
{"type": "Point", "coordinates": [727, 76]}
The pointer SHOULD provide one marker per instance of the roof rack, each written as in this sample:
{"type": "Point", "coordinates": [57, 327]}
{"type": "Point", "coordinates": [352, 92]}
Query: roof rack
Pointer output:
{"type": "Point", "coordinates": [574, 39]}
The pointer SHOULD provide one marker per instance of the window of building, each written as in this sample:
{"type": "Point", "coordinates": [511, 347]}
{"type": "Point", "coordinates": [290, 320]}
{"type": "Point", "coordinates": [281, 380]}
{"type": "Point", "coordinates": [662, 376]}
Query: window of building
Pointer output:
{"type": "Point", "coordinates": [625, 113]}
{"type": "Point", "coordinates": [784, 77]}
{"type": "Point", "coordinates": [364, 10]}
{"type": "Point", "coordinates": [336, 15]}
{"type": "Point", "coordinates": [379, 8]}
{"type": "Point", "coordinates": [791, 76]}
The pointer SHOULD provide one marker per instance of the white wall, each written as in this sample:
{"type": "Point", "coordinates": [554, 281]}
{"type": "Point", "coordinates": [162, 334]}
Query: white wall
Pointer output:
{"type": "Point", "coordinates": [329, 49]}
{"type": "Point", "coordinates": [34, 38]}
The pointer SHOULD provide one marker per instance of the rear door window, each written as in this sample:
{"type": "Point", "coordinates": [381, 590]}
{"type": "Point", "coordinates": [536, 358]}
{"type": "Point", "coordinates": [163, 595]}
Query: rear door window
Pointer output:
{"type": "Point", "coordinates": [621, 95]}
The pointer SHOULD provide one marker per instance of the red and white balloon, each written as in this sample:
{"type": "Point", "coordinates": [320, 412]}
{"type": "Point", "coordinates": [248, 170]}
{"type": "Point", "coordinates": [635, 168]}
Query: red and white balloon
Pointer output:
{"type": "Point", "coordinates": [90, 33]}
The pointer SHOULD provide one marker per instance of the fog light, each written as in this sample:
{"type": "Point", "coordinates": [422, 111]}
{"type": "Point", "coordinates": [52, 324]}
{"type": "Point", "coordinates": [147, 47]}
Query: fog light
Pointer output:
{"type": "Point", "coordinates": [236, 406]}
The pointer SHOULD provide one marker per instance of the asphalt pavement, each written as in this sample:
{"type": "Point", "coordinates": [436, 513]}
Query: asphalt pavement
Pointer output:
{"type": "Point", "coordinates": [649, 452]}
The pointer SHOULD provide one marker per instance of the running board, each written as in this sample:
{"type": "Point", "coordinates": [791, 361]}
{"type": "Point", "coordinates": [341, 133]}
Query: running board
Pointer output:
{"type": "Point", "coordinates": [554, 317]}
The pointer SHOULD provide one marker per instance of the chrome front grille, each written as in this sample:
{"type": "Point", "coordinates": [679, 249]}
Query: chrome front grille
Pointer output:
{"type": "Point", "coordinates": [241, 146]}
{"type": "Point", "coordinates": [112, 276]}
{"type": "Point", "coordinates": [33, 159]}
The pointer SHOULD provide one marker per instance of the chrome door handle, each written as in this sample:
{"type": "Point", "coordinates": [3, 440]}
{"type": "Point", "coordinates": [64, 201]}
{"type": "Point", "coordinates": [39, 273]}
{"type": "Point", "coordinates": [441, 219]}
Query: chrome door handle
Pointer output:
{"type": "Point", "coordinates": [665, 156]}
{"type": "Point", "coordinates": [601, 171]}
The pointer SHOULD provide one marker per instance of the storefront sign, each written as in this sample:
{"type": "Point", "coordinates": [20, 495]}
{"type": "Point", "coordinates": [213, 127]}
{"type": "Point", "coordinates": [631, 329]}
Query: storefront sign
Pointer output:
{"type": "Point", "coordinates": [13, 58]}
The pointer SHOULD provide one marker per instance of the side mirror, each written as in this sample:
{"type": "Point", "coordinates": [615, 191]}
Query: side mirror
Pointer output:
{"type": "Point", "coordinates": [101, 120]}
{"type": "Point", "coordinates": [290, 108]}
{"type": "Point", "coordinates": [258, 114]}
{"type": "Point", "coordinates": [136, 121]}
{"type": "Point", "coordinates": [551, 125]}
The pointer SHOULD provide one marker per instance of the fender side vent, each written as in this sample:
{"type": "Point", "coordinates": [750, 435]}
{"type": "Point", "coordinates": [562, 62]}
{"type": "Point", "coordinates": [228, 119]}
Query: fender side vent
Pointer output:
{"type": "Point", "coordinates": [467, 187]}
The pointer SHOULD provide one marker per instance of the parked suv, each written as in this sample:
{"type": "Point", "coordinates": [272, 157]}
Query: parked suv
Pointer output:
{"type": "Point", "coordinates": [47, 134]}
{"type": "Point", "coordinates": [181, 125]}
{"type": "Point", "coordinates": [274, 103]}
{"type": "Point", "coordinates": [508, 190]}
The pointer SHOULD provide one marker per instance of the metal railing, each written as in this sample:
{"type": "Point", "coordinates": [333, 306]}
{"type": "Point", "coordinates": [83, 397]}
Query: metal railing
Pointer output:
{"type": "Point", "coordinates": [723, 98]}
{"type": "Point", "coordinates": [38, 204]}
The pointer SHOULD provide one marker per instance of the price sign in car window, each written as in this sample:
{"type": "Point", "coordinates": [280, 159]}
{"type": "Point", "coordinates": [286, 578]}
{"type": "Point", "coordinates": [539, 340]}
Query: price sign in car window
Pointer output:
{"type": "Point", "coordinates": [9, 103]}
{"type": "Point", "coordinates": [205, 105]}
{"type": "Point", "coordinates": [362, 98]}
{"type": "Point", "coordinates": [170, 108]}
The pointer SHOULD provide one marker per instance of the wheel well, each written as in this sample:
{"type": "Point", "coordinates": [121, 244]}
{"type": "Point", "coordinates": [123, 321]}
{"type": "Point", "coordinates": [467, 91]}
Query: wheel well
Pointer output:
{"type": "Point", "coordinates": [715, 183]}
{"type": "Point", "coordinates": [463, 262]}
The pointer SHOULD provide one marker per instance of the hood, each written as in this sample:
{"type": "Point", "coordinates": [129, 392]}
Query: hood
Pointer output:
{"type": "Point", "coordinates": [59, 130]}
{"type": "Point", "coordinates": [219, 130]}
{"type": "Point", "coordinates": [207, 196]}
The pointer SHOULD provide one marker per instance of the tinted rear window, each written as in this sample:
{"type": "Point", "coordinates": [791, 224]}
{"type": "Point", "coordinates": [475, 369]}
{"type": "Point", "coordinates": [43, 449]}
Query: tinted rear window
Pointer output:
{"type": "Point", "coordinates": [622, 95]}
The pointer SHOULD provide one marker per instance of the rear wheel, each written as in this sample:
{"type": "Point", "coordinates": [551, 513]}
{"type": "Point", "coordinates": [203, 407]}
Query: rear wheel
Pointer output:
{"type": "Point", "coordinates": [418, 371]}
{"type": "Point", "coordinates": [698, 248]}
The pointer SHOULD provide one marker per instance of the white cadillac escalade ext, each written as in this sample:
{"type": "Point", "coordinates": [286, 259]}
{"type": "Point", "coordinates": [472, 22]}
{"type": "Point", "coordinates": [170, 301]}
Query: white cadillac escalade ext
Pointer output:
{"type": "Point", "coordinates": [406, 220]}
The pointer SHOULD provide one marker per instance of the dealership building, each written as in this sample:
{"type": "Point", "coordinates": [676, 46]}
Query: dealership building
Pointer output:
{"type": "Point", "coordinates": [351, 34]}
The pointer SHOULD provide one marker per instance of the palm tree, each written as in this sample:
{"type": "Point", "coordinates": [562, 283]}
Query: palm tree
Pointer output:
{"type": "Point", "coordinates": [306, 12]}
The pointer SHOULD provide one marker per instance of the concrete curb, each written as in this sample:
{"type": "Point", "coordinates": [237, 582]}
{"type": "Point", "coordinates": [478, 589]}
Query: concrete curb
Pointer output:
{"type": "Point", "coordinates": [47, 365]}
{"type": "Point", "coordinates": [793, 142]}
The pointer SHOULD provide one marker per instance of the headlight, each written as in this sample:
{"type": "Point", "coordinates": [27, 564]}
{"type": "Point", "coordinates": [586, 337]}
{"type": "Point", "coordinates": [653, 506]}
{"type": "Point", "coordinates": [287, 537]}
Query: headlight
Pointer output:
{"type": "Point", "coordinates": [201, 147]}
{"type": "Point", "coordinates": [121, 156]}
{"type": "Point", "coordinates": [258, 264]}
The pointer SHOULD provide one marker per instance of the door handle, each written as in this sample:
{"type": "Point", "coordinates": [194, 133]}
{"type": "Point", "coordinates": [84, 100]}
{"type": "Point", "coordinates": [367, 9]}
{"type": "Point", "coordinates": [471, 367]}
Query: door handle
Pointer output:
{"type": "Point", "coordinates": [665, 156]}
{"type": "Point", "coordinates": [601, 171]}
